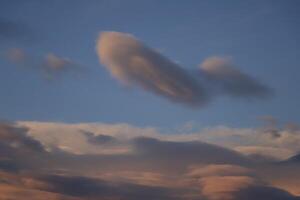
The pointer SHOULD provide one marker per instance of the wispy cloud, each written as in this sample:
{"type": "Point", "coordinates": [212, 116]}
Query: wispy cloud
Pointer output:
{"type": "Point", "coordinates": [50, 65]}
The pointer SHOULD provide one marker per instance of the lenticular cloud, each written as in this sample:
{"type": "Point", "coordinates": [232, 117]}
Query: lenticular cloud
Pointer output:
{"type": "Point", "coordinates": [133, 63]}
{"type": "Point", "coordinates": [222, 73]}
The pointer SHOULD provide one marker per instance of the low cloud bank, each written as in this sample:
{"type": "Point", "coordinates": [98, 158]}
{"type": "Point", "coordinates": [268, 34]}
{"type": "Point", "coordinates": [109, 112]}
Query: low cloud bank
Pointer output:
{"type": "Point", "coordinates": [150, 166]}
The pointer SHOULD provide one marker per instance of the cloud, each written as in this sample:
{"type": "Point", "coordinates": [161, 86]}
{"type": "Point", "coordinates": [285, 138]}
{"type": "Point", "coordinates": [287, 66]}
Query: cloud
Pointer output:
{"type": "Point", "coordinates": [54, 65]}
{"type": "Point", "coordinates": [186, 153]}
{"type": "Point", "coordinates": [218, 170]}
{"type": "Point", "coordinates": [7, 164]}
{"type": "Point", "coordinates": [72, 137]}
{"type": "Point", "coordinates": [16, 55]}
{"type": "Point", "coordinates": [222, 74]}
{"type": "Point", "coordinates": [265, 152]}
{"type": "Point", "coordinates": [99, 139]}
{"type": "Point", "coordinates": [18, 150]}
{"type": "Point", "coordinates": [224, 187]}
{"type": "Point", "coordinates": [232, 182]}
{"type": "Point", "coordinates": [221, 181]}
{"type": "Point", "coordinates": [128, 148]}
{"type": "Point", "coordinates": [154, 165]}
{"type": "Point", "coordinates": [241, 187]}
{"type": "Point", "coordinates": [18, 138]}
{"type": "Point", "coordinates": [269, 141]}
{"type": "Point", "coordinates": [264, 192]}
{"type": "Point", "coordinates": [249, 141]}
{"type": "Point", "coordinates": [12, 192]}
{"type": "Point", "coordinates": [133, 63]}
{"type": "Point", "coordinates": [50, 65]}
{"type": "Point", "coordinates": [94, 188]}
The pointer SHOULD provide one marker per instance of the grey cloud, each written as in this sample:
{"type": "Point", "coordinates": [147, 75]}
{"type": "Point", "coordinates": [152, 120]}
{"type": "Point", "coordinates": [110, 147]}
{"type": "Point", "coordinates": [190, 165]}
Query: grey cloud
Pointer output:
{"type": "Point", "coordinates": [186, 153]}
{"type": "Point", "coordinates": [283, 175]}
{"type": "Point", "coordinates": [133, 63]}
{"type": "Point", "coordinates": [222, 74]}
{"type": "Point", "coordinates": [93, 188]}
{"type": "Point", "coordinates": [9, 165]}
{"type": "Point", "coordinates": [263, 193]}
{"type": "Point", "coordinates": [20, 151]}
{"type": "Point", "coordinates": [18, 137]}
{"type": "Point", "coordinates": [99, 139]}
{"type": "Point", "coordinates": [231, 182]}
{"type": "Point", "coordinates": [149, 154]}
{"type": "Point", "coordinates": [241, 188]}
{"type": "Point", "coordinates": [295, 159]}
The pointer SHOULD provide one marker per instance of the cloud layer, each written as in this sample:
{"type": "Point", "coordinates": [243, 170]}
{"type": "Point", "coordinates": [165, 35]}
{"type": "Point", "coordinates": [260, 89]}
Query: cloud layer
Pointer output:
{"type": "Point", "coordinates": [102, 161]}
{"type": "Point", "coordinates": [133, 63]}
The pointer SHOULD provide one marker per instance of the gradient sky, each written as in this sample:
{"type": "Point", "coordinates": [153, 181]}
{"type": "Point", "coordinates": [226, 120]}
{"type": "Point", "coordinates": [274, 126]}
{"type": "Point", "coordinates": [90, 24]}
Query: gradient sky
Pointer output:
{"type": "Point", "coordinates": [262, 37]}
{"type": "Point", "coordinates": [149, 100]}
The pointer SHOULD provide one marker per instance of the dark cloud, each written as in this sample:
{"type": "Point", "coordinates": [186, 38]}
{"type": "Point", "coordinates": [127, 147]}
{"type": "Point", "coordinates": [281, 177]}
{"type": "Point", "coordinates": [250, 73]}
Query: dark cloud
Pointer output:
{"type": "Point", "coordinates": [9, 165]}
{"type": "Point", "coordinates": [18, 137]}
{"type": "Point", "coordinates": [146, 154]}
{"type": "Point", "coordinates": [186, 153]}
{"type": "Point", "coordinates": [18, 150]}
{"type": "Point", "coordinates": [263, 193]}
{"type": "Point", "coordinates": [99, 139]}
{"type": "Point", "coordinates": [93, 188]}
{"type": "Point", "coordinates": [293, 160]}
{"type": "Point", "coordinates": [225, 78]}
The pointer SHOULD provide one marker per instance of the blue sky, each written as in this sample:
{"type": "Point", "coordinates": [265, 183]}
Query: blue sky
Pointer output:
{"type": "Point", "coordinates": [262, 37]}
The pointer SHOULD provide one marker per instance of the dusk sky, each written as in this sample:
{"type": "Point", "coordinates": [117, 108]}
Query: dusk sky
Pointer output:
{"type": "Point", "coordinates": [127, 97]}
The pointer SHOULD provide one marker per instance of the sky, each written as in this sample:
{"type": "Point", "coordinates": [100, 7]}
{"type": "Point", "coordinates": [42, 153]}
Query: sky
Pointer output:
{"type": "Point", "coordinates": [261, 38]}
{"type": "Point", "coordinates": [136, 99]}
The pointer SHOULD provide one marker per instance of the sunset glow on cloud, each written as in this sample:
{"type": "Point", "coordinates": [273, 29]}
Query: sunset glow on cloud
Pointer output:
{"type": "Point", "coordinates": [149, 100]}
